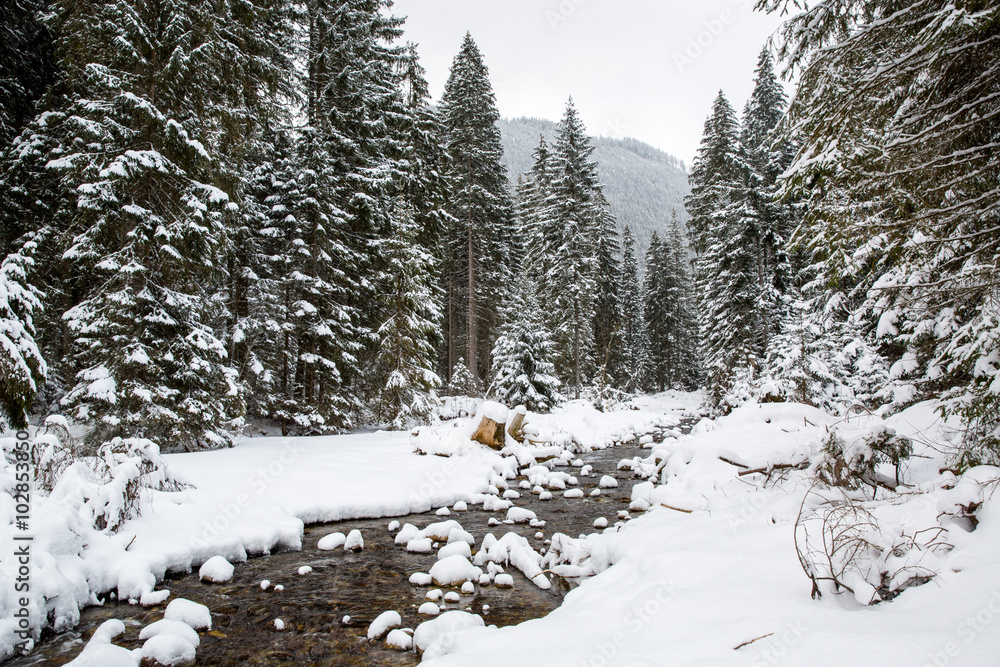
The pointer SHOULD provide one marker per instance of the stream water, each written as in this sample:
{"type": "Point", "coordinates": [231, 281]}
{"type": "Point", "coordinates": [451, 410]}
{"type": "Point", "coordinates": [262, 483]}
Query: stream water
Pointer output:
{"type": "Point", "coordinates": [360, 585]}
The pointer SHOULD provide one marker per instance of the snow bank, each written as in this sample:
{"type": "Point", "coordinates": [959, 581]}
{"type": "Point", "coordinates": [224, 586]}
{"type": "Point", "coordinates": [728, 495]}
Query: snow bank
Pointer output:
{"type": "Point", "coordinates": [719, 582]}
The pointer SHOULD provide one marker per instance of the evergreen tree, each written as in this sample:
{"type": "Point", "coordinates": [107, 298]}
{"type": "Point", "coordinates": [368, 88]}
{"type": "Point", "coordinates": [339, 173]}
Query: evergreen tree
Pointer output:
{"type": "Point", "coordinates": [408, 333]}
{"type": "Point", "coordinates": [608, 325]}
{"type": "Point", "coordinates": [724, 280]}
{"type": "Point", "coordinates": [572, 222]}
{"type": "Point", "coordinates": [27, 68]}
{"type": "Point", "coordinates": [479, 241]}
{"type": "Point", "coordinates": [22, 367]}
{"type": "Point", "coordinates": [523, 373]}
{"type": "Point", "coordinates": [633, 336]}
{"type": "Point", "coordinates": [462, 383]}
{"type": "Point", "coordinates": [533, 195]}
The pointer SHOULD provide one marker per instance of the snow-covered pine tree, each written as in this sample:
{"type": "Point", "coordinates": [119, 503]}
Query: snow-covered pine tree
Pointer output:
{"type": "Point", "coordinates": [608, 325]}
{"type": "Point", "coordinates": [425, 186]}
{"type": "Point", "coordinates": [410, 303]}
{"type": "Point", "coordinates": [766, 220]}
{"type": "Point", "coordinates": [572, 222]}
{"type": "Point", "coordinates": [685, 370]}
{"type": "Point", "coordinates": [479, 244]}
{"type": "Point", "coordinates": [633, 337]}
{"type": "Point", "coordinates": [22, 368]}
{"type": "Point", "coordinates": [895, 108]}
{"type": "Point", "coordinates": [522, 371]}
{"type": "Point", "coordinates": [532, 197]}
{"type": "Point", "coordinates": [723, 260]}
{"type": "Point", "coordinates": [462, 383]}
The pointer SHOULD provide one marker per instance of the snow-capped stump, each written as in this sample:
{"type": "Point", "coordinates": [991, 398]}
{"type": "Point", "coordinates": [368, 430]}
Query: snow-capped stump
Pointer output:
{"type": "Point", "coordinates": [461, 548]}
{"type": "Point", "coordinates": [492, 419]}
{"type": "Point", "coordinates": [167, 650]}
{"type": "Point", "coordinates": [608, 482]}
{"type": "Point", "coordinates": [431, 636]}
{"type": "Point", "coordinates": [305, 569]}
{"type": "Point", "coordinates": [331, 542]}
{"type": "Point", "coordinates": [420, 579]}
{"type": "Point", "coordinates": [354, 541]}
{"type": "Point", "coordinates": [520, 515]}
{"type": "Point", "coordinates": [399, 640]}
{"type": "Point", "coordinates": [429, 609]}
{"type": "Point", "coordinates": [503, 581]}
{"type": "Point", "coordinates": [216, 570]}
{"type": "Point", "coordinates": [170, 627]}
{"type": "Point", "coordinates": [454, 570]}
{"type": "Point", "coordinates": [573, 493]}
{"type": "Point", "coordinates": [187, 611]}
{"type": "Point", "coordinates": [600, 522]}
{"type": "Point", "coordinates": [386, 621]}
{"type": "Point", "coordinates": [279, 624]}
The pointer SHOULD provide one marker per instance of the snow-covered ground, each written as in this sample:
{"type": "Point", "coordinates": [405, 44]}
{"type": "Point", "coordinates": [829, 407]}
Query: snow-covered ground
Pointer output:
{"type": "Point", "coordinates": [253, 499]}
{"type": "Point", "coordinates": [709, 576]}
{"type": "Point", "coordinates": [678, 588]}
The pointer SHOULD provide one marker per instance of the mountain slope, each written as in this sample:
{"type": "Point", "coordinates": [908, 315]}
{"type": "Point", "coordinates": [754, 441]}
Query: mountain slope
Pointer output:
{"type": "Point", "coordinates": [643, 184]}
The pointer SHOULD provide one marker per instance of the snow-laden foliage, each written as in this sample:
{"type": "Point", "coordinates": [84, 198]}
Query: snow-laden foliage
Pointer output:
{"type": "Point", "coordinates": [895, 113]}
{"type": "Point", "coordinates": [22, 367]}
{"type": "Point", "coordinates": [522, 368]}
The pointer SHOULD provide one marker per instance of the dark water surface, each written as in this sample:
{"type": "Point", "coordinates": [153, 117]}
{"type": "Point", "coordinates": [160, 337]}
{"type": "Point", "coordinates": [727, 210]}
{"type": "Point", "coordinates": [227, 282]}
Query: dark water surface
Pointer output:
{"type": "Point", "coordinates": [360, 585]}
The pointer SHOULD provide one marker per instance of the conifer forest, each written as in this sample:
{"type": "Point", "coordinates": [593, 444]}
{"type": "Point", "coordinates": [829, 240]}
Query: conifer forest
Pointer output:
{"type": "Point", "coordinates": [261, 289]}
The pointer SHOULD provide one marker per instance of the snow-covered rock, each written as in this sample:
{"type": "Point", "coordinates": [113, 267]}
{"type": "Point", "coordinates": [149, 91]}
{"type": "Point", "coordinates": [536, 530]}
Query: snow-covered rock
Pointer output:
{"type": "Point", "coordinates": [608, 482]}
{"type": "Point", "coordinates": [399, 639]}
{"type": "Point", "coordinates": [187, 611]}
{"type": "Point", "coordinates": [331, 542]}
{"type": "Point", "coordinates": [354, 541]}
{"type": "Point", "coordinates": [454, 570]}
{"type": "Point", "coordinates": [171, 627]}
{"type": "Point", "coordinates": [167, 650]}
{"type": "Point", "coordinates": [520, 515]}
{"type": "Point", "coordinates": [573, 493]}
{"type": "Point", "coordinates": [461, 548]}
{"type": "Point", "coordinates": [420, 579]}
{"type": "Point", "coordinates": [429, 609]}
{"type": "Point", "coordinates": [436, 637]}
{"type": "Point", "coordinates": [385, 621]}
{"type": "Point", "coordinates": [217, 570]}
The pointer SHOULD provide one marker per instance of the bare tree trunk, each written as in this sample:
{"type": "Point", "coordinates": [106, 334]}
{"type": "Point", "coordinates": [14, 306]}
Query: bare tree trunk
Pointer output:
{"type": "Point", "coordinates": [473, 334]}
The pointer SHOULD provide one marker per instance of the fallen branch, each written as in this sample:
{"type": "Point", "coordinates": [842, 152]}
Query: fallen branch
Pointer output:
{"type": "Point", "coordinates": [733, 463]}
{"type": "Point", "coordinates": [676, 509]}
{"type": "Point", "coordinates": [801, 465]}
{"type": "Point", "coordinates": [747, 643]}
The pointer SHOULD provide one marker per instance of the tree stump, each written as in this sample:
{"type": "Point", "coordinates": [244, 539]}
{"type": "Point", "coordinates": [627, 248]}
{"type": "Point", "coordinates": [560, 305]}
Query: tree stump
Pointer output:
{"type": "Point", "coordinates": [490, 433]}
{"type": "Point", "coordinates": [516, 427]}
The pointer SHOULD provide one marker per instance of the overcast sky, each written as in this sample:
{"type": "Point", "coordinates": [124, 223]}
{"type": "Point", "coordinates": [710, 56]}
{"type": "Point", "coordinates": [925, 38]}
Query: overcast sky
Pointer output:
{"type": "Point", "coordinates": [642, 68]}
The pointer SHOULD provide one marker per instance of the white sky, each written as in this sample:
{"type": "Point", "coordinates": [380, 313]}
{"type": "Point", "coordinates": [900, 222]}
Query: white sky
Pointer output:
{"type": "Point", "coordinates": [634, 67]}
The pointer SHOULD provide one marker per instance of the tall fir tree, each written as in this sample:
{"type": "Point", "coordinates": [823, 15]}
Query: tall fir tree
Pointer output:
{"type": "Point", "coordinates": [608, 325]}
{"type": "Point", "coordinates": [724, 284]}
{"type": "Point", "coordinates": [27, 67]}
{"type": "Point", "coordinates": [479, 242]}
{"type": "Point", "coordinates": [572, 222]}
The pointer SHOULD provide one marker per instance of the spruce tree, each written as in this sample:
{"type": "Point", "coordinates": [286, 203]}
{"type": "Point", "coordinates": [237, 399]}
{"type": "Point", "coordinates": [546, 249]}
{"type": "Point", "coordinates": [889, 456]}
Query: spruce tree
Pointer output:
{"type": "Point", "coordinates": [407, 336]}
{"type": "Point", "coordinates": [479, 242]}
{"type": "Point", "coordinates": [608, 325]}
{"type": "Point", "coordinates": [27, 68]}
{"type": "Point", "coordinates": [572, 223]}
{"type": "Point", "coordinates": [522, 370]}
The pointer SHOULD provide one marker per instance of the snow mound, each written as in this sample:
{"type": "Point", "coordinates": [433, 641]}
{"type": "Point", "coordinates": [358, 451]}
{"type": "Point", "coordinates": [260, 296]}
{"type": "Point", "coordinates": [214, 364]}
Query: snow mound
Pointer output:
{"type": "Point", "coordinates": [385, 621]}
{"type": "Point", "coordinates": [520, 515]}
{"type": "Point", "coordinates": [171, 627]}
{"type": "Point", "coordinates": [168, 650]}
{"type": "Point", "coordinates": [398, 639]}
{"type": "Point", "coordinates": [608, 482]}
{"type": "Point", "coordinates": [331, 541]}
{"type": "Point", "coordinates": [354, 542]}
{"type": "Point", "coordinates": [454, 570]}
{"type": "Point", "coordinates": [461, 548]}
{"type": "Point", "coordinates": [187, 611]}
{"type": "Point", "coordinates": [217, 570]}
{"type": "Point", "coordinates": [429, 609]}
{"type": "Point", "coordinates": [100, 652]}
{"type": "Point", "coordinates": [438, 636]}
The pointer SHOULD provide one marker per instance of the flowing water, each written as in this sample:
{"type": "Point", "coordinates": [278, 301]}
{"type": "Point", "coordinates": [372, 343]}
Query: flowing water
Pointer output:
{"type": "Point", "coordinates": [359, 585]}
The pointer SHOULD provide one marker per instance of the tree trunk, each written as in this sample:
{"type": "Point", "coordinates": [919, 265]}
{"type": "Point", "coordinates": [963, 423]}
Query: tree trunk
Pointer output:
{"type": "Point", "coordinates": [473, 334]}
{"type": "Point", "coordinates": [490, 433]}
